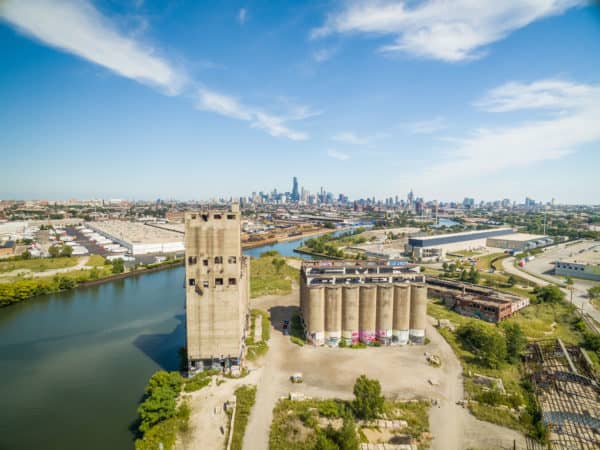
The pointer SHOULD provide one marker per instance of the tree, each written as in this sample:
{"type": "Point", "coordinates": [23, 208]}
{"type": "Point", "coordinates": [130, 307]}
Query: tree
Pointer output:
{"type": "Point", "coordinates": [594, 292]}
{"type": "Point", "coordinates": [512, 280]}
{"type": "Point", "coordinates": [464, 276]}
{"type": "Point", "coordinates": [569, 281]}
{"type": "Point", "coordinates": [485, 342]}
{"type": "Point", "coordinates": [445, 266]}
{"type": "Point", "coordinates": [159, 406]}
{"type": "Point", "coordinates": [515, 341]}
{"type": "Point", "coordinates": [54, 251]}
{"type": "Point", "coordinates": [26, 255]}
{"type": "Point", "coordinates": [474, 276]}
{"type": "Point", "coordinates": [278, 263]}
{"type": "Point", "coordinates": [66, 251]}
{"type": "Point", "coordinates": [117, 266]}
{"type": "Point", "coordinates": [368, 401]}
{"type": "Point", "coordinates": [550, 294]}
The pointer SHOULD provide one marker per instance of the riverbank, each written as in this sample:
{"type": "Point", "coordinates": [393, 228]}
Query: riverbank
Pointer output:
{"type": "Point", "coordinates": [273, 241]}
{"type": "Point", "coordinates": [23, 289]}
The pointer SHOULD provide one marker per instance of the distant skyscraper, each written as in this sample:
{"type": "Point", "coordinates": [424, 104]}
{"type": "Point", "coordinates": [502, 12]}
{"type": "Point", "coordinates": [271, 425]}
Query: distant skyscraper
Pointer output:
{"type": "Point", "coordinates": [295, 197]}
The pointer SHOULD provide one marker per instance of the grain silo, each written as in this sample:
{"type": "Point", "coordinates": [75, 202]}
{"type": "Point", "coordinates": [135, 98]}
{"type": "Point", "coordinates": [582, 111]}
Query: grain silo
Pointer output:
{"type": "Point", "coordinates": [418, 312]}
{"type": "Point", "coordinates": [350, 314]}
{"type": "Point", "coordinates": [333, 315]}
{"type": "Point", "coordinates": [401, 322]}
{"type": "Point", "coordinates": [316, 315]}
{"type": "Point", "coordinates": [367, 313]}
{"type": "Point", "coordinates": [385, 311]}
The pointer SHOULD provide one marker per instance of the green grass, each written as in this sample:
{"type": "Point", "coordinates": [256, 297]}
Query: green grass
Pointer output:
{"type": "Point", "coordinates": [96, 260]}
{"type": "Point", "coordinates": [266, 280]}
{"type": "Point", "coordinates": [257, 349]}
{"type": "Point", "coordinates": [498, 416]}
{"type": "Point", "coordinates": [415, 413]}
{"type": "Point", "coordinates": [245, 398]}
{"type": "Point", "coordinates": [38, 264]}
{"type": "Point", "coordinates": [199, 381]}
{"type": "Point", "coordinates": [485, 262]}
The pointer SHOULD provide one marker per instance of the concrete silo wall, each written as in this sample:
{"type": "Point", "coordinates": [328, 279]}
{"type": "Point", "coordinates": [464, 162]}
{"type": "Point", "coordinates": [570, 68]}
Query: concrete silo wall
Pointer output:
{"type": "Point", "coordinates": [401, 322]}
{"type": "Point", "coordinates": [385, 312]}
{"type": "Point", "coordinates": [316, 315]}
{"type": "Point", "coordinates": [418, 312]}
{"type": "Point", "coordinates": [350, 316]}
{"type": "Point", "coordinates": [367, 313]}
{"type": "Point", "coordinates": [333, 314]}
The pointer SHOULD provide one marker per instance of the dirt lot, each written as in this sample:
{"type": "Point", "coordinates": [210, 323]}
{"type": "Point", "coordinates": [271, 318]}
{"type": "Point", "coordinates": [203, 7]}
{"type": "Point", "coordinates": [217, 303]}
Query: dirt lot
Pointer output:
{"type": "Point", "coordinates": [331, 372]}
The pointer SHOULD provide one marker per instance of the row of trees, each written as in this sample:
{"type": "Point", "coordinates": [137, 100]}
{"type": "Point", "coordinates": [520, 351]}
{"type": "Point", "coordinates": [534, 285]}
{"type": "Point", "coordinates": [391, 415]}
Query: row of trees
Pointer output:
{"type": "Point", "coordinates": [470, 276]}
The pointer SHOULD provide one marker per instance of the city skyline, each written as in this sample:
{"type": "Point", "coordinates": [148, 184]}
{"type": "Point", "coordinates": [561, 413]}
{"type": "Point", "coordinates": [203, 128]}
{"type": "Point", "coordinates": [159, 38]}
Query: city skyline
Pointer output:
{"type": "Point", "coordinates": [142, 100]}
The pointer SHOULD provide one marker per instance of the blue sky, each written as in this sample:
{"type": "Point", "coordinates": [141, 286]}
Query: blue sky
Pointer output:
{"type": "Point", "coordinates": [197, 99]}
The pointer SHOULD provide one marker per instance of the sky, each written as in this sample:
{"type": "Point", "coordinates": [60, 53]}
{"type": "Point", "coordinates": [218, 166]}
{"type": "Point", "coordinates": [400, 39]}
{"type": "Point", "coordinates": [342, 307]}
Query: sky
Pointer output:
{"type": "Point", "coordinates": [142, 99]}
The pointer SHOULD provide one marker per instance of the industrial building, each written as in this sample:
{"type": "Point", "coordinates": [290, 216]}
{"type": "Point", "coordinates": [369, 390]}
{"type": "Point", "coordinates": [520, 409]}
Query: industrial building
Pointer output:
{"type": "Point", "coordinates": [476, 301]}
{"type": "Point", "coordinates": [520, 241]}
{"type": "Point", "coordinates": [217, 289]}
{"type": "Point", "coordinates": [367, 301]}
{"type": "Point", "coordinates": [435, 247]}
{"type": "Point", "coordinates": [139, 238]}
{"type": "Point", "coordinates": [586, 264]}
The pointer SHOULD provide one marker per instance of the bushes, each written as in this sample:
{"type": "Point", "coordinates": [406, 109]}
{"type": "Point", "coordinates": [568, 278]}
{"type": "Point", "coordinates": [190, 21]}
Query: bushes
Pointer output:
{"type": "Point", "coordinates": [515, 341]}
{"type": "Point", "coordinates": [486, 343]}
{"type": "Point", "coordinates": [549, 294]}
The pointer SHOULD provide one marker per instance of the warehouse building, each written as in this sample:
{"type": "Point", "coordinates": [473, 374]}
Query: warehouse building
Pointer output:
{"type": "Point", "coordinates": [519, 241]}
{"type": "Point", "coordinates": [367, 301]}
{"type": "Point", "coordinates": [585, 265]}
{"type": "Point", "coordinates": [217, 289]}
{"type": "Point", "coordinates": [139, 238]}
{"type": "Point", "coordinates": [435, 247]}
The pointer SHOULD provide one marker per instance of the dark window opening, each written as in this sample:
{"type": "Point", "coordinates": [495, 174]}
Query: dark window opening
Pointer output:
{"type": "Point", "coordinates": [205, 217]}
{"type": "Point", "coordinates": [231, 216]}
{"type": "Point", "coordinates": [232, 260]}
{"type": "Point", "coordinates": [218, 260]}
{"type": "Point", "coordinates": [205, 284]}
{"type": "Point", "coordinates": [219, 281]}
{"type": "Point", "coordinates": [192, 282]}
{"type": "Point", "coordinates": [205, 262]}
{"type": "Point", "coordinates": [193, 216]}
{"type": "Point", "coordinates": [192, 259]}
{"type": "Point", "coordinates": [217, 216]}
{"type": "Point", "coordinates": [232, 281]}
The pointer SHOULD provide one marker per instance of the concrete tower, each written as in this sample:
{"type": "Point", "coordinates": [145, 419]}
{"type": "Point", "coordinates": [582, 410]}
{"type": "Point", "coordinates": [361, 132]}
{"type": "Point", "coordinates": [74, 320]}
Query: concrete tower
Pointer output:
{"type": "Point", "coordinates": [217, 288]}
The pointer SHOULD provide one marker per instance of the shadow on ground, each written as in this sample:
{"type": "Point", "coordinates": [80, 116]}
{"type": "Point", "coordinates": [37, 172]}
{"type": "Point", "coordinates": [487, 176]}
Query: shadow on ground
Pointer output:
{"type": "Point", "coordinates": [281, 313]}
{"type": "Point", "coordinates": [163, 349]}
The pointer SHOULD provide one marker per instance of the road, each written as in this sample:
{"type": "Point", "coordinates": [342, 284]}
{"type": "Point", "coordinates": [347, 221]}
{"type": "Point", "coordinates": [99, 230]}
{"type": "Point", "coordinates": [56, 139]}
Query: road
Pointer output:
{"type": "Point", "coordinates": [580, 287]}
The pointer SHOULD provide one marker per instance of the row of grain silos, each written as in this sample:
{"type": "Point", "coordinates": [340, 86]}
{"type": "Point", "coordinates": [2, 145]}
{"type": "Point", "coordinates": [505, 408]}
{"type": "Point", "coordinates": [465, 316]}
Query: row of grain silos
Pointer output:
{"type": "Point", "coordinates": [391, 313]}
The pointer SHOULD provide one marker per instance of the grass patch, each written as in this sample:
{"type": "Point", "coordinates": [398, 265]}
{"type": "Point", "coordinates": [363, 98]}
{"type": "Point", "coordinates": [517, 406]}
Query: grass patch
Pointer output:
{"type": "Point", "coordinates": [38, 264]}
{"type": "Point", "coordinates": [95, 260]}
{"type": "Point", "coordinates": [245, 397]}
{"type": "Point", "coordinates": [498, 416]}
{"type": "Point", "coordinates": [297, 341]}
{"type": "Point", "coordinates": [268, 277]}
{"type": "Point", "coordinates": [199, 381]}
{"type": "Point", "coordinates": [485, 262]}
{"type": "Point", "coordinates": [257, 349]}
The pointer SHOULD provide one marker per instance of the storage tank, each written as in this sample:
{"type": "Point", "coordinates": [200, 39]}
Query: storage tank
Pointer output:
{"type": "Point", "coordinates": [316, 315]}
{"type": "Point", "coordinates": [418, 312]}
{"type": "Point", "coordinates": [401, 322]}
{"type": "Point", "coordinates": [333, 315]}
{"type": "Point", "coordinates": [385, 312]}
{"type": "Point", "coordinates": [367, 313]}
{"type": "Point", "coordinates": [350, 314]}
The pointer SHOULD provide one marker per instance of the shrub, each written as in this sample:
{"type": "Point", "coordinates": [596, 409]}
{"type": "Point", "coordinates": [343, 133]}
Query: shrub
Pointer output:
{"type": "Point", "coordinates": [368, 401]}
{"type": "Point", "coordinates": [486, 343]}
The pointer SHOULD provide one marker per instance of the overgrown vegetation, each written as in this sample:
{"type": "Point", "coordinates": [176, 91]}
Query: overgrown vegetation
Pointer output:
{"type": "Point", "coordinates": [331, 424]}
{"type": "Point", "coordinates": [494, 351]}
{"type": "Point", "coordinates": [38, 264]}
{"type": "Point", "coordinates": [245, 397]}
{"type": "Point", "coordinates": [329, 244]}
{"type": "Point", "coordinates": [270, 275]}
{"type": "Point", "coordinates": [256, 349]}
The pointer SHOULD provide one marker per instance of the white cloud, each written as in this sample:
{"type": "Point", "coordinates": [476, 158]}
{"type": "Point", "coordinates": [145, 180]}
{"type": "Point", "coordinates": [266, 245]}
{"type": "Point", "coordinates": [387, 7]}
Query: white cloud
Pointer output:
{"type": "Point", "coordinates": [324, 54]}
{"type": "Point", "coordinates": [440, 29]}
{"type": "Point", "coordinates": [426, 126]}
{"type": "Point", "coordinates": [78, 28]}
{"type": "Point", "coordinates": [337, 155]}
{"type": "Point", "coordinates": [525, 144]}
{"type": "Point", "coordinates": [347, 137]}
{"type": "Point", "coordinates": [546, 94]}
{"type": "Point", "coordinates": [230, 107]}
{"type": "Point", "coordinates": [242, 16]}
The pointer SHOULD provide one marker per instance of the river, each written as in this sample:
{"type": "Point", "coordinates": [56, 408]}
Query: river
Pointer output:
{"type": "Point", "coordinates": [74, 365]}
